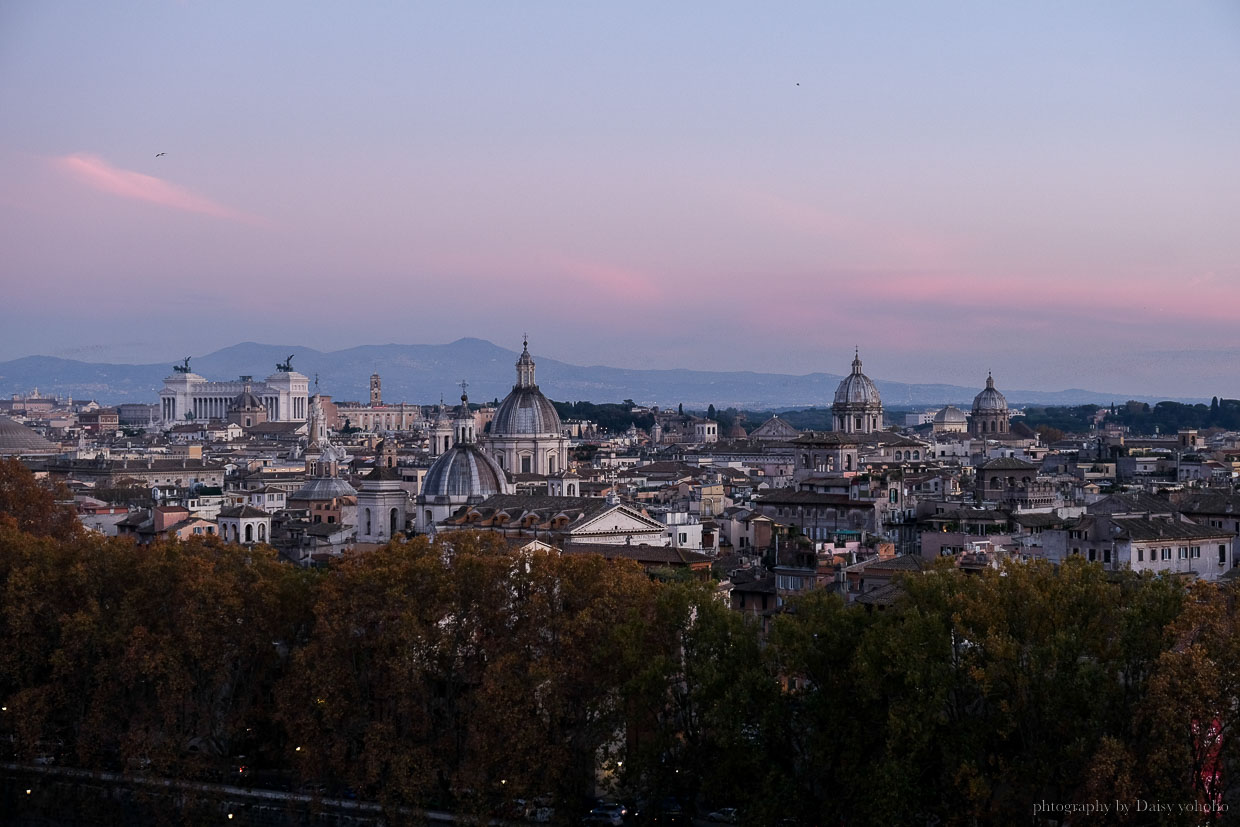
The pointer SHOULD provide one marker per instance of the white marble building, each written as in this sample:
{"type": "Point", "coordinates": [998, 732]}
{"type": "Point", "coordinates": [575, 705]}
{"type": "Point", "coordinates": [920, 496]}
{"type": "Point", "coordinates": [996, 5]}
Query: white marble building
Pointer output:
{"type": "Point", "coordinates": [284, 395]}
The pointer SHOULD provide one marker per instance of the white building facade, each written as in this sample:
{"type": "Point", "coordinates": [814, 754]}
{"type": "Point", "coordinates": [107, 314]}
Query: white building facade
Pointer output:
{"type": "Point", "coordinates": [188, 396]}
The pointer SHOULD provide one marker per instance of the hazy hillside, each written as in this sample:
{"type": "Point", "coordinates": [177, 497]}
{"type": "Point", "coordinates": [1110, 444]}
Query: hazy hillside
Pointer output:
{"type": "Point", "coordinates": [424, 373]}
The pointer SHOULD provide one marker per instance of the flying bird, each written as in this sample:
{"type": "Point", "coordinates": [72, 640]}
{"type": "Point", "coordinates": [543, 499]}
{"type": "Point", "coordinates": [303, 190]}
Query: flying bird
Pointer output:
{"type": "Point", "coordinates": [157, 154]}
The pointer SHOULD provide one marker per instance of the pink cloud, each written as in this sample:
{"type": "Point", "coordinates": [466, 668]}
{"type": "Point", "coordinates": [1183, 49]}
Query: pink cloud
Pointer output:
{"type": "Point", "coordinates": [95, 172]}
{"type": "Point", "coordinates": [879, 242]}
{"type": "Point", "coordinates": [607, 278]}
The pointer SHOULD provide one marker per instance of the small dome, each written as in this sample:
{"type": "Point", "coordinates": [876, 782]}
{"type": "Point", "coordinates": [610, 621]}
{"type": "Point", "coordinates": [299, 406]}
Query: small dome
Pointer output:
{"type": "Point", "coordinates": [464, 470]}
{"type": "Point", "coordinates": [737, 431]}
{"type": "Point", "coordinates": [246, 402]}
{"type": "Point", "coordinates": [857, 389]}
{"type": "Point", "coordinates": [951, 415]}
{"type": "Point", "coordinates": [989, 400]}
{"type": "Point", "coordinates": [322, 489]}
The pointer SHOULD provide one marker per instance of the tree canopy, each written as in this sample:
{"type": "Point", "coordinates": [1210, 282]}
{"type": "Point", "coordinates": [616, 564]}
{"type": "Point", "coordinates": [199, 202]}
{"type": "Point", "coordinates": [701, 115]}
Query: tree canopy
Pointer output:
{"type": "Point", "coordinates": [459, 673]}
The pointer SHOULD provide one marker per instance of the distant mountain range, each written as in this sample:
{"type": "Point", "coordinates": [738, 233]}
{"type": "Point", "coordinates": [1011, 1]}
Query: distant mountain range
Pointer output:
{"type": "Point", "coordinates": [424, 373]}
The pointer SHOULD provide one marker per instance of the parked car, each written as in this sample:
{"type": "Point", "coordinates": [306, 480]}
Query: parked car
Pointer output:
{"type": "Point", "coordinates": [724, 815]}
{"type": "Point", "coordinates": [607, 812]}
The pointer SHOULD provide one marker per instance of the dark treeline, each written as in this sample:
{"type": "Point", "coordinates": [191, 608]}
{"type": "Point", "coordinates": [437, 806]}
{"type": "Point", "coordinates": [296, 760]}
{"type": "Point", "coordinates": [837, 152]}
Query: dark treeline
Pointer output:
{"type": "Point", "coordinates": [1070, 419]}
{"type": "Point", "coordinates": [614, 417]}
{"type": "Point", "coordinates": [456, 674]}
{"type": "Point", "coordinates": [1139, 417]}
{"type": "Point", "coordinates": [1169, 417]}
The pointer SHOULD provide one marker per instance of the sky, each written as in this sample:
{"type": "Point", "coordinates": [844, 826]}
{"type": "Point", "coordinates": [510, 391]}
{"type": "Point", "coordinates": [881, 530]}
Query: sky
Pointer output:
{"type": "Point", "coordinates": [1046, 190]}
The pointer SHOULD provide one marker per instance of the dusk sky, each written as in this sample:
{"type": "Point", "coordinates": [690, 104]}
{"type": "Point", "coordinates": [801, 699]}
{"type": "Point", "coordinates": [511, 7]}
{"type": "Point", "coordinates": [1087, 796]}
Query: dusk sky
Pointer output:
{"type": "Point", "coordinates": [1047, 190]}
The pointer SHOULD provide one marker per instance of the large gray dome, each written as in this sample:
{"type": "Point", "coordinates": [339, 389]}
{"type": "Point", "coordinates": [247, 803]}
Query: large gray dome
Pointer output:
{"type": "Point", "coordinates": [857, 389]}
{"type": "Point", "coordinates": [464, 470]}
{"type": "Point", "coordinates": [525, 411]}
{"type": "Point", "coordinates": [17, 440]}
{"type": "Point", "coordinates": [951, 415]}
{"type": "Point", "coordinates": [989, 400]}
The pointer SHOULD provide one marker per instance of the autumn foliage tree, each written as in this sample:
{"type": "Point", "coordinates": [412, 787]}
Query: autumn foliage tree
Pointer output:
{"type": "Point", "coordinates": [33, 507]}
{"type": "Point", "coordinates": [456, 673]}
{"type": "Point", "coordinates": [460, 673]}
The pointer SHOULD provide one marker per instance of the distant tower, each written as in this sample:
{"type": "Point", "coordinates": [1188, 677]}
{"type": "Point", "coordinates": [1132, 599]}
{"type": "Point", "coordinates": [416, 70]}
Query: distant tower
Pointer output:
{"type": "Point", "coordinates": [441, 431]}
{"type": "Point", "coordinates": [376, 394]}
{"type": "Point", "coordinates": [463, 426]}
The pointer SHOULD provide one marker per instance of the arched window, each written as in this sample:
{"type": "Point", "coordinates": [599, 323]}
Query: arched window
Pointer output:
{"type": "Point", "coordinates": [392, 516]}
{"type": "Point", "coordinates": [917, 455]}
{"type": "Point", "coordinates": [249, 532]}
{"type": "Point", "coordinates": [572, 490]}
{"type": "Point", "coordinates": [367, 521]}
{"type": "Point", "coordinates": [848, 462]}
{"type": "Point", "coordinates": [262, 532]}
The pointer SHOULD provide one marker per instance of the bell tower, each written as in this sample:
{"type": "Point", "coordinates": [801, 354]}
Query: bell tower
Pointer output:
{"type": "Point", "coordinates": [376, 392]}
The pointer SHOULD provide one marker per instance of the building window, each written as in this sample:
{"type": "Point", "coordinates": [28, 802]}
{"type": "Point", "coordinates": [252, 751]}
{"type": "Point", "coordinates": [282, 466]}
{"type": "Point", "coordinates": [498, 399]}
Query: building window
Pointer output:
{"type": "Point", "coordinates": [1222, 554]}
{"type": "Point", "coordinates": [1166, 554]}
{"type": "Point", "coordinates": [1140, 555]}
{"type": "Point", "coordinates": [1106, 555]}
{"type": "Point", "coordinates": [1092, 555]}
{"type": "Point", "coordinates": [1196, 552]}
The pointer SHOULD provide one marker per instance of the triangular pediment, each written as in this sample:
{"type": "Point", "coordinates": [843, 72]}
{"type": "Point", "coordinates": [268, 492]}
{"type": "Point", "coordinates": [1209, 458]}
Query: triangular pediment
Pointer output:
{"type": "Point", "coordinates": [774, 427]}
{"type": "Point", "coordinates": [619, 519]}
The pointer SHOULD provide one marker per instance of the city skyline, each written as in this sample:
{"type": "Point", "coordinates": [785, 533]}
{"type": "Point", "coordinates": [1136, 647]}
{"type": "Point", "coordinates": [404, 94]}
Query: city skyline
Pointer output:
{"type": "Point", "coordinates": [1045, 191]}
